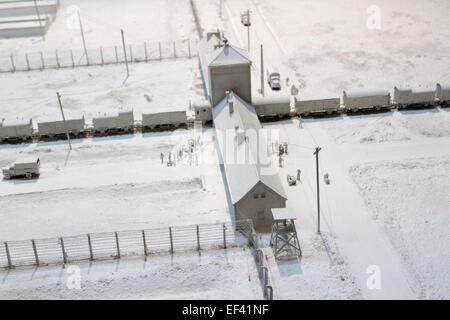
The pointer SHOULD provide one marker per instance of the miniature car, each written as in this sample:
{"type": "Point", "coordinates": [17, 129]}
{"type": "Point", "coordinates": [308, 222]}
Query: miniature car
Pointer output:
{"type": "Point", "coordinates": [291, 180]}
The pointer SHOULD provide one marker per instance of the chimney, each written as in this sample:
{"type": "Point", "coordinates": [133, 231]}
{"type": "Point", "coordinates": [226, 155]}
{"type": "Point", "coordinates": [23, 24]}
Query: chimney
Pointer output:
{"type": "Point", "coordinates": [230, 101]}
{"type": "Point", "coordinates": [240, 134]}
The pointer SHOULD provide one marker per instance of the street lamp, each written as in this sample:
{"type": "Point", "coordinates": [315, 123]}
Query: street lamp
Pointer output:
{"type": "Point", "coordinates": [245, 20]}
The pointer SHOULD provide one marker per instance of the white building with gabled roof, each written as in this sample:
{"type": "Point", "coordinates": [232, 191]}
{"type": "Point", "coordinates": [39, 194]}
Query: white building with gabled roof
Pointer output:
{"type": "Point", "coordinates": [252, 177]}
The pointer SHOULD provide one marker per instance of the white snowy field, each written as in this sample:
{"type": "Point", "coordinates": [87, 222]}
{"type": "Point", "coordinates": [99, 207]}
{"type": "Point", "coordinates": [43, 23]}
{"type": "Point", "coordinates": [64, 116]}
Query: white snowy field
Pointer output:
{"type": "Point", "coordinates": [386, 205]}
{"type": "Point", "coordinates": [110, 184]}
{"type": "Point", "coordinates": [326, 46]}
{"type": "Point", "coordinates": [211, 274]}
{"type": "Point", "coordinates": [151, 87]}
{"type": "Point", "coordinates": [141, 20]}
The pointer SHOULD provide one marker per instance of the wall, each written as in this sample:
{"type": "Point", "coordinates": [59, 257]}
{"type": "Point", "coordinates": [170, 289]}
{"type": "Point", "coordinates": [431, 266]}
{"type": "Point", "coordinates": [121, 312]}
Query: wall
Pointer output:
{"type": "Point", "coordinates": [248, 207]}
{"type": "Point", "coordinates": [230, 78]}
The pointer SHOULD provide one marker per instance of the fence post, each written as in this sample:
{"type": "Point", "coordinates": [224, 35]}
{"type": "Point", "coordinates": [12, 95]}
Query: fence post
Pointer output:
{"type": "Point", "coordinates": [91, 254]}
{"type": "Point", "coordinates": [101, 55]}
{"type": "Point", "coordinates": [117, 56]}
{"type": "Point", "coordinates": [145, 244]}
{"type": "Point", "coordinates": [269, 295]}
{"type": "Point", "coordinates": [8, 256]}
{"type": "Point", "coordinates": [131, 54]}
{"type": "Point", "coordinates": [145, 51]}
{"type": "Point", "coordinates": [174, 50]}
{"type": "Point", "coordinates": [189, 48]}
{"type": "Point", "coordinates": [28, 62]}
{"type": "Point", "coordinates": [160, 53]}
{"type": "Point", "coordinates": [57, 58]}
{"type": "Point", "coordinates": [35, 252]}
{"type": "Point", "coordinates": [117, 244]}
{"type": "Point", "coordinates": [42, 60]}
{"type": "Point", "coordinates": [224, 236]}
{"type": "Point", "coordinates": [71, 56]}
{"type": "Point", "coordinates": [171, 240]}
{"type": "Point", "coordinates": [63, 250]}
{"type": "Point", "coordinates": [198, 238]}
{"type": "Point", "coordinates": [12, 64]}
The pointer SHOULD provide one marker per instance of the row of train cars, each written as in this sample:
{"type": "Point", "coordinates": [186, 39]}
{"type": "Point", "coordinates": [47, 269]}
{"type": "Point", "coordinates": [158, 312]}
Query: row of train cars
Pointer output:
{"type": "Point", "coordinates": [107, 124]}
{"type": "Point", "coordinates": [265, 108]}
{"type": "Point", "coordinates": [359, 101]}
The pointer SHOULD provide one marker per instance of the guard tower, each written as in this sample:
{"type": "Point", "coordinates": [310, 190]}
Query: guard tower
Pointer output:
{"type": "Point", "coordinates": [284, 235]}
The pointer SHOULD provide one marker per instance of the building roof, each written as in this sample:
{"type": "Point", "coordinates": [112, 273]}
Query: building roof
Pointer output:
{"type": "Point", "coordinates": [243, 166]}
{"type": "Point", "coordinates": [227, 55]}
{"type": "Point", "coordinates": [282, 214]}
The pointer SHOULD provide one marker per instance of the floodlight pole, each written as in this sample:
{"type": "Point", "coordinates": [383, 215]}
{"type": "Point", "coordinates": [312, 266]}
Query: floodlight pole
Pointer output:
{"type": "Point", "coordinates": [125, 51]}
{"type": "Point", "coordinates": [82, 37]}
{"type": "Point", "coordinates": [262, 71]}
{"type": "Point", "coordinates": [248, 30]}
{"type": "Point", "coordinates": [317, 181]}
{"type": "Point", "coordinates": [64, 119]}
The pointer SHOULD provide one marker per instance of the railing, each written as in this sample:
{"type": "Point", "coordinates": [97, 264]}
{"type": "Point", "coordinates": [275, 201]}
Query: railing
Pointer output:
{"type": "Point", "coordinates": [145, 52]}
{"type": "Point", "coordinates": [110, 245]}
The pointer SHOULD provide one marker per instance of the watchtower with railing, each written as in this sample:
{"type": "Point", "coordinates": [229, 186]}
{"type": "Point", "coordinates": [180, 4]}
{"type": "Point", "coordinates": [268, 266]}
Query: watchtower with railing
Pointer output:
{"type": "Point", "coordinates": [284, 238]}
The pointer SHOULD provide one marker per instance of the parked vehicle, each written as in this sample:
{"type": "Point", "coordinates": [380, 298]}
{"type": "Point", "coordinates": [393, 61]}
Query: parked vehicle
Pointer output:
{"type": "Point", "coordinates": [28, 167]}
{"type": "Point", "coordinates": [291, 180]}
{"type": "Point", "coordinates": [245, 18]}
{"type": "Point", "coordinates": [273, 79]}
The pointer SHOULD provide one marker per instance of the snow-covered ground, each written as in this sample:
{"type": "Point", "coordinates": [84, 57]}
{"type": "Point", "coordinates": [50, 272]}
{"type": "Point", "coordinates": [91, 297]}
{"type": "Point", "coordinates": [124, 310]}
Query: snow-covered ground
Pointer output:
{"type": "Point", "coordinates": [109, 184]}
{"type": "Point", "coordinates": [215, 274]}
{"type": "Point", "coordinates": [326, 46]}
{"type": "Point", "coordinates": [151, 87]}
{"type": "Point", "coordinates": [141, 20]}
{"type": "Point", "coordinates": [387, 203]}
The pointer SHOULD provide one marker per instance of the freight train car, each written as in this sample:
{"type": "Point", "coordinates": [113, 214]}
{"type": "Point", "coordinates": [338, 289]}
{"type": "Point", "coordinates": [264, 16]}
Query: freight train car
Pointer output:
{"type": "Point", "coordinates": [57, 129]}
{"type": "Point", "coordinates": [16, 130]}
{"type": "Point", "coordinates": [365, 100]}
{"type": "Point", "coordinates": [268, 108]}
{"type": "Point", "coordinates": [317, 106]}
{"type": "Point", "coordinates": [404, 98]}
{"type": "Point", "coordinates": [443, 94]}
{"type": "Point", "coordinates": [164, 120]}
{"type": "Point", "coordinates": [109, 124]}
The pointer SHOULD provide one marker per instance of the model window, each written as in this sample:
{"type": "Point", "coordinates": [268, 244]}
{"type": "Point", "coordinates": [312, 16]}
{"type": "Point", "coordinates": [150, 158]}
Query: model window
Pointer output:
{"type": "Point", "coordinates": [263, 195]}
{"type": "Point", "coordinates": [255, 196]}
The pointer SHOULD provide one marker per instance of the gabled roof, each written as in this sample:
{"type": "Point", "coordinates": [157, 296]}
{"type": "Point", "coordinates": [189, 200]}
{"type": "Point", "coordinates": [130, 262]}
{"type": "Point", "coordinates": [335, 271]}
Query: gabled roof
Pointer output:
{"type": "Point", "coordinates": [243, 167]}
{"type": "Point", "coordinates": [227, 55]}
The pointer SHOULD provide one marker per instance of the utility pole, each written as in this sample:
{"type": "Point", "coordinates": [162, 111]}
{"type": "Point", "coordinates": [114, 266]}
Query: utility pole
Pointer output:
{"type": "Point", "coordinates": [318, 194]}
{"type": "Point", "coordinates": [64, 119]}
{"type": "Point", "coordinates": [125, 52]}
{"type": "Point", "coordinates": [262, 71]}
{"type": "Point", "coordinates": [39, 18]}
{"type": "Point", "coordinates": [248, 30]}
{"type": "Point", "coordinates": [82, 37]}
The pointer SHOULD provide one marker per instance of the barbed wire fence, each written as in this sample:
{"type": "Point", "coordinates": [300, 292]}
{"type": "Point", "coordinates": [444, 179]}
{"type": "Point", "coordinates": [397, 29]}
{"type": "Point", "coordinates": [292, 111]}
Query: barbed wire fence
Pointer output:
{"type": "Point", "coordinates": [114, 245]}
{"type": "Point", "coordinates": [135, 53]}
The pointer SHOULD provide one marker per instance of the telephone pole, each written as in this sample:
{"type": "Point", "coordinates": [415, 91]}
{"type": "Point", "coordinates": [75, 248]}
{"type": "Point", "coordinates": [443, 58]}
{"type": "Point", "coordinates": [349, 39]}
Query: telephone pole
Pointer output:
{"type": "Point", "coordinates": [64, 119]}
{"type": "Point", "coordinates": [125, 52]}
{"type": "Point", "coordinates": [317, 181]}
{"type": "Point", "coordinates": [262, 71]}
{"type": "Point", "coordinates": [82, 38]}
{"type": "Point", "coordinates": [248, 30]}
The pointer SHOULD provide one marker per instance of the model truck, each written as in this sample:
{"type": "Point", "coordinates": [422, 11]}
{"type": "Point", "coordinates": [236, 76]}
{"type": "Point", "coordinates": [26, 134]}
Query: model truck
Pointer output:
{"type": "Point", "coordinates": [28, 167]}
